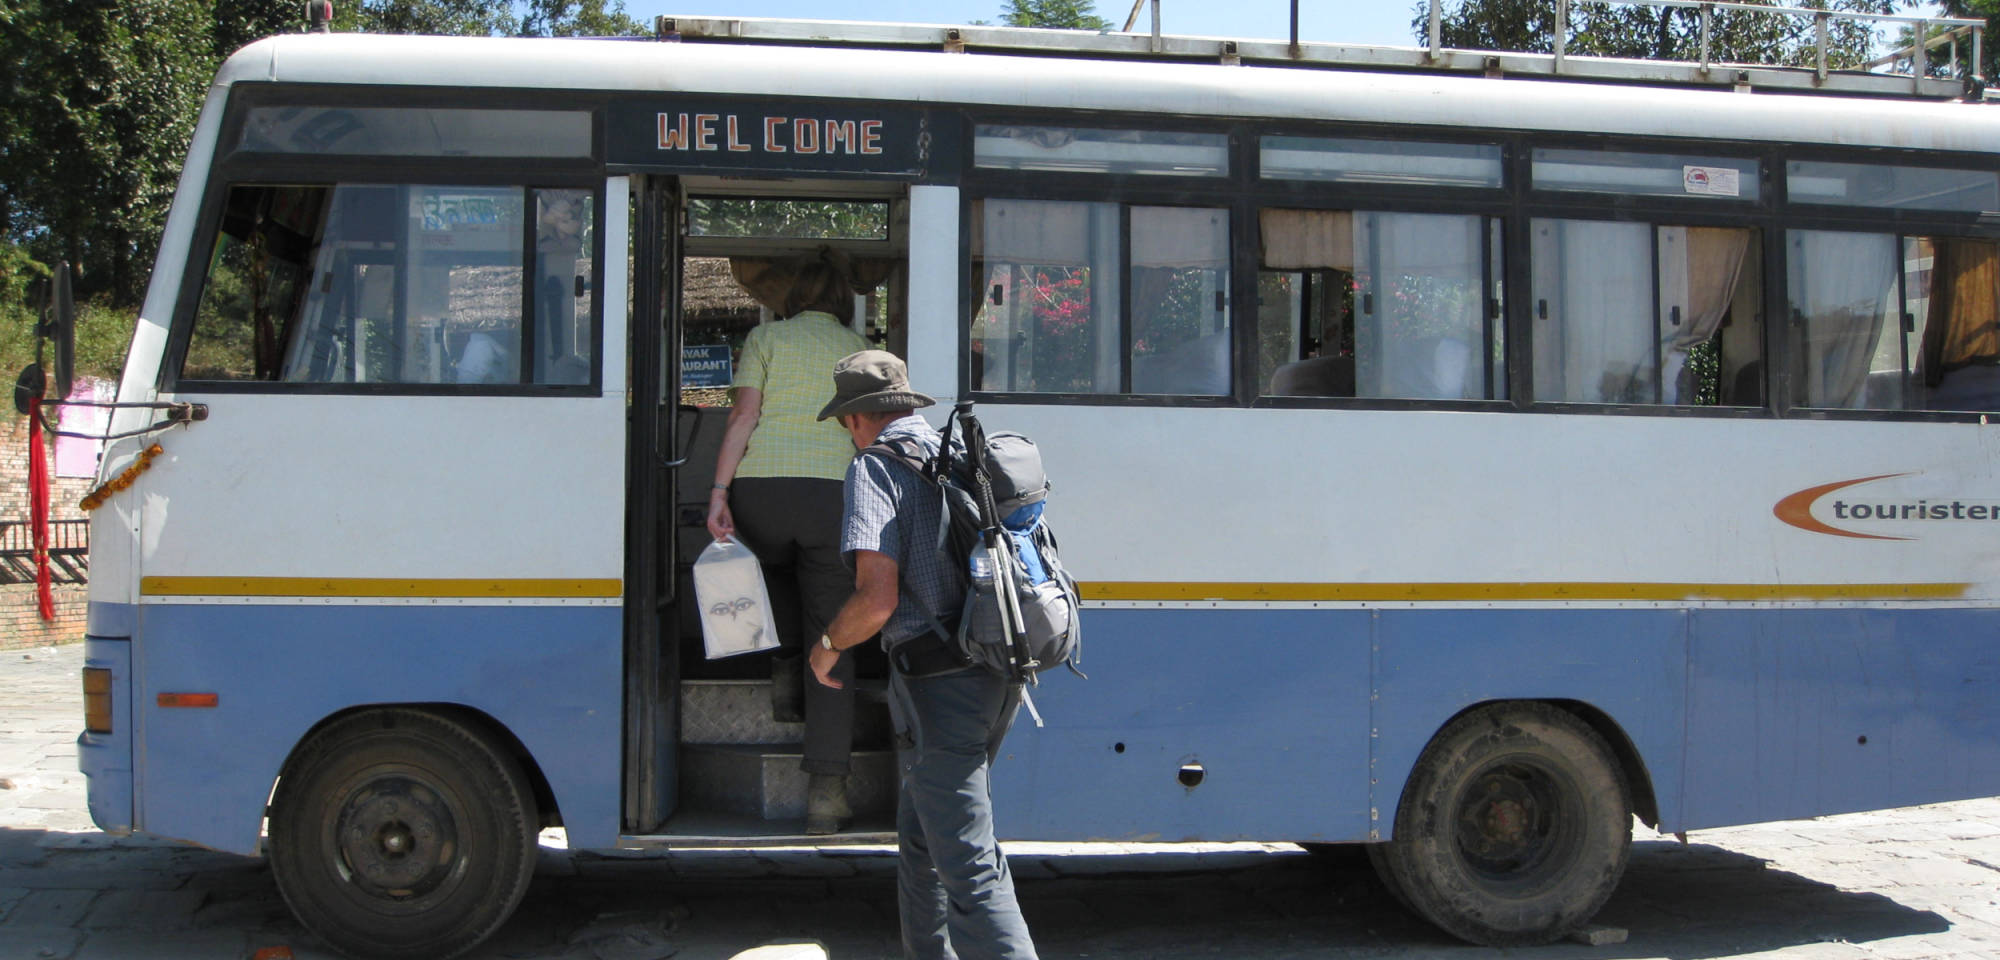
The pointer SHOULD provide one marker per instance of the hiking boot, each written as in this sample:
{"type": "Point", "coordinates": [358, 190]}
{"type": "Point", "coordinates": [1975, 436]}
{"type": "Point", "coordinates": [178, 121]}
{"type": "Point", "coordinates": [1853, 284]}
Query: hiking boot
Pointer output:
{"type": "Point", "coordinates": [826, 803]}
{"type": "Point", "coordinates": [788, 689]}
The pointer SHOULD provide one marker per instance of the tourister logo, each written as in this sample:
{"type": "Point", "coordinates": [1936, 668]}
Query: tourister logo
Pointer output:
{"type": "Point", "coordinates": [1818, 510]}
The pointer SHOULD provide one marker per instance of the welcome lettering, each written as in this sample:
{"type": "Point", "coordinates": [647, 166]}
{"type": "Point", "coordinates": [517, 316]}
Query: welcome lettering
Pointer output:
{"type": "Point", "coordinates": [698, 133]}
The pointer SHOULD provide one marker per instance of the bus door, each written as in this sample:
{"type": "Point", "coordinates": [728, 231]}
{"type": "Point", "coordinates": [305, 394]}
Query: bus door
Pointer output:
{"type": "Point", "coordinates": [739, 241]}
{"type": "Point", "coordinates": [653, 476]}
{"type": "Point", "coordinates": [408, 488]}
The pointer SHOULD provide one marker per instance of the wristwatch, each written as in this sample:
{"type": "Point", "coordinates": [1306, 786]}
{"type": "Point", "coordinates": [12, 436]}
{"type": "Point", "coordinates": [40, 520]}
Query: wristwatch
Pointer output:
{"type": "Point", "coordinates": [827, 642]}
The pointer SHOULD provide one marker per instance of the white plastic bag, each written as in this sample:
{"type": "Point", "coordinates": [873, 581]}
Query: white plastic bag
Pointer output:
{"type": "Point", "coordinates": [735, 607]}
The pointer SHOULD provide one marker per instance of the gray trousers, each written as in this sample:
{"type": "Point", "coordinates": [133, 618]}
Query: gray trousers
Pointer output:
{"type": "Point", "coordinates": [954, 891]}
{"type": "Point", "coordinates": [792, 524]}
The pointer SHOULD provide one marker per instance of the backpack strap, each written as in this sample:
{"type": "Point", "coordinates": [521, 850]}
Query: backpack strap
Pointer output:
{"type": "Point", "coordinates": [905, 451]}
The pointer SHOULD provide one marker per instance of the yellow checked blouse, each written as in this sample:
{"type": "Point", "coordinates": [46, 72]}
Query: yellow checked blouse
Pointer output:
{"type": "Point", "coordinates": [791, 363]}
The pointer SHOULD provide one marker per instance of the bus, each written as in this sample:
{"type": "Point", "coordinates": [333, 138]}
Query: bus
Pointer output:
{"type": "Point", "coordinates": [1462, 456]}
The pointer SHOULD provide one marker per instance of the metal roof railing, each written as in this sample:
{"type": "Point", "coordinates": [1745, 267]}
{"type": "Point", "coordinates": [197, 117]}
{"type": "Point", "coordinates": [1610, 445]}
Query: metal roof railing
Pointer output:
{"type": "Point", "coordinates": [1964, 75]}
{"type": "Point", "coordinates": [1921, 27]}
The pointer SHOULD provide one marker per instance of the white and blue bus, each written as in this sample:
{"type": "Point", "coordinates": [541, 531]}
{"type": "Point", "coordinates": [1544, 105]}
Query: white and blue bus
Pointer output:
{"type": "Point", "coordinates": [1458, 463]}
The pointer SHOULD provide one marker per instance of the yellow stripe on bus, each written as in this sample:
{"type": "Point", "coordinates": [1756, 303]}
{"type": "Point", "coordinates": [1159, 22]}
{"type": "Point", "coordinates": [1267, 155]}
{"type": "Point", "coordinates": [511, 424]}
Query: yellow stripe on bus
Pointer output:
{"type": "Point", "coordinates": [521, 588]}
{"type": "Point", "coordinates": [1463, 592]}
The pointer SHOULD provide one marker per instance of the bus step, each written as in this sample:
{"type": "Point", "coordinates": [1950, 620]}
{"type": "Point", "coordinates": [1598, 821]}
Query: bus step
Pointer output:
{"type": "Point", "coordinates": [764, 780]}
{"type": "Point", "coordinates": [739, 712]}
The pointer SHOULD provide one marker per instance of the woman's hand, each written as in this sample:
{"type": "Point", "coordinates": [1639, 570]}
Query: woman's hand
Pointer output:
{"type": "Point", "coordinates": [720, 524]}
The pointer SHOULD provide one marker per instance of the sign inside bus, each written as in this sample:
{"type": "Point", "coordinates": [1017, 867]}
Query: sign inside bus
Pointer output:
{"type": "Point", "coordinates": [1843, 509]}
{"type": "Point", "coordinates": [782, 138]}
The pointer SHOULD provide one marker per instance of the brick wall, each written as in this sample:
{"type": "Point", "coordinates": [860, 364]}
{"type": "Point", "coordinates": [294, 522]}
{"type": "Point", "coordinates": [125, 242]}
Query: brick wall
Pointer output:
{"type": "Point", "coordinates": [20, 624]}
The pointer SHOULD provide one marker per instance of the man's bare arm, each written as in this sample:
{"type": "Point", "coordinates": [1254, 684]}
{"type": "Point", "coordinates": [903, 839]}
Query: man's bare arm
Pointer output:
{"type": "Point", "coordinates": [864, 613]}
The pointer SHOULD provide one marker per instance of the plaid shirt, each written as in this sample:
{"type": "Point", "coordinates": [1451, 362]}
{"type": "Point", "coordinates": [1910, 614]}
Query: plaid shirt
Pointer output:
{"type": "Point", "coordinates": [893, 511]}
{"type": "Point", "coordinates": [789, 362]}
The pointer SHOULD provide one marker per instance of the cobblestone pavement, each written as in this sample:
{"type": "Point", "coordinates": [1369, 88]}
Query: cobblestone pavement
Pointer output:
{"type": "Point", "coordinates": [1895, 885]}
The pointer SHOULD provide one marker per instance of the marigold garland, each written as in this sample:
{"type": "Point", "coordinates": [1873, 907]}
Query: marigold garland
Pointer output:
{"type": "Point", "coordinates": [123, 481]}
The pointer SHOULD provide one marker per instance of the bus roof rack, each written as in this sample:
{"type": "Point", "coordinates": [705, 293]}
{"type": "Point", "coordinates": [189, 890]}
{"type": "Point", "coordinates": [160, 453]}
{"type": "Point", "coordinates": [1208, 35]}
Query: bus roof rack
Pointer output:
{"type": "Point", "coordinates": [1963, 79]}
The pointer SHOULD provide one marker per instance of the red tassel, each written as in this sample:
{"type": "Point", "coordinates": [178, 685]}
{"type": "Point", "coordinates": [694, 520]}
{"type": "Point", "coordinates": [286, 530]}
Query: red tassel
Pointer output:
{"type": "Point", "coordinates": [38, 510]}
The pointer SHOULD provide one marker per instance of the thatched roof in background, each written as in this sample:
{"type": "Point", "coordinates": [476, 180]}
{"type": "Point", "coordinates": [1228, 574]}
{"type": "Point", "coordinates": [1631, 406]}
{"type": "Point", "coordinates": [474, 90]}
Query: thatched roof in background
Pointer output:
{"type": "Point", "coordinates": [708, 289]}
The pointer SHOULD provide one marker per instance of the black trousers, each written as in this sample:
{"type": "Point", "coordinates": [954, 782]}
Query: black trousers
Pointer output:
{"type": "Point", "coordinates": [792, 524]}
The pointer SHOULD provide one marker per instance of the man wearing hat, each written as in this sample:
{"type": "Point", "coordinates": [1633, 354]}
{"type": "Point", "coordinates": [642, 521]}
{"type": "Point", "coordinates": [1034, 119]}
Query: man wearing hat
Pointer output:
{"type": "Point", "coordinates": [954, 891]}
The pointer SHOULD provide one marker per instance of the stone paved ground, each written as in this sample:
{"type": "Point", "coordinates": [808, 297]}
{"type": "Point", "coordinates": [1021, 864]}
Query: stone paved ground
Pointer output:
{"type": "Point", "coordinates": [1895, 885]}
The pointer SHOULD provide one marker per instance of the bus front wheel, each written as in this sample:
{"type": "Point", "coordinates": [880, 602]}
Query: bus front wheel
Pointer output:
{"type": "Point", "coordinates": [402, 833]}
{"type": "Point", "coordinates": [1514, 827]}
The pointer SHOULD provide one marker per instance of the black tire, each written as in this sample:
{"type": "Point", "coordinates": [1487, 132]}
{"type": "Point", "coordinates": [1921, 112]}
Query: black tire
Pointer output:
{"type": "Point", "coordinates": [401, 833]}
{"type": "Point", "coordinates": [1514, 827]}
{"type": "Point", "coordinates": [1378, 857]}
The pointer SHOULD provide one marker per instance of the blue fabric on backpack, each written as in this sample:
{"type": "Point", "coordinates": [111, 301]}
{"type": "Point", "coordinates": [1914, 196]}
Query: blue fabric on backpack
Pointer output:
{"type": "Point", "coordinates": [1020, 526]}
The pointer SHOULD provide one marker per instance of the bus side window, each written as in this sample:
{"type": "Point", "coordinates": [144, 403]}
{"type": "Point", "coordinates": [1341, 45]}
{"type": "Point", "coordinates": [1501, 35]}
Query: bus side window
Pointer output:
{"type": "Point", "coordinates": [1048, 297]}
{"type": "Point", "coordinates": [1642, 313]}
{"type": "Point", "coordinates": [398, 284]}
{"type": "Point", "coordinates": [1862, 342]}
{"type": "Point", "coordinates": [1381, 305]}
{"type": "Point", "coordinates": [1955, 309]}
{"type": "Point", "coordinates": [256, 273]}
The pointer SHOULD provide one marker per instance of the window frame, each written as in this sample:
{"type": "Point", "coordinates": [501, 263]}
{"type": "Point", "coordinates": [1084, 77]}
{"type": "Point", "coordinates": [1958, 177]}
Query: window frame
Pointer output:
{"type": "Point", "coordinates": [252, 170]}
{"type": "Point", "coordinates": [1899, 221]}
{"type": "Point", "coordinates": [1516, 203]}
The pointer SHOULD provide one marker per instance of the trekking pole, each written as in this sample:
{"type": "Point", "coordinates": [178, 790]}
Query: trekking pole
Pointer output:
{"type": "Point", "coordinates": [994, 536]}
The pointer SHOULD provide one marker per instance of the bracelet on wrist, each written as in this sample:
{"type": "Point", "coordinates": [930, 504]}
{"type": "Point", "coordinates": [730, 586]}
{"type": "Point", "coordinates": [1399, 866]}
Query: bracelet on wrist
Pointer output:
{"type": "Point", "coordinates": [719, 486]}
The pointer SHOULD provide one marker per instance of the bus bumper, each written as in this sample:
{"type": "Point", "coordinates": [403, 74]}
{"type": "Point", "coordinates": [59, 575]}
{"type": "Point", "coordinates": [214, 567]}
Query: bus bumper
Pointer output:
{"type": "Point", "coordinates": [105, 758]}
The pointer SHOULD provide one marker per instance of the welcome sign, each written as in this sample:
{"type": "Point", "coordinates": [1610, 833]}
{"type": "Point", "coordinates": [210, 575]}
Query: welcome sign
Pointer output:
{"type": "Point", "coordinates": [711, 135]}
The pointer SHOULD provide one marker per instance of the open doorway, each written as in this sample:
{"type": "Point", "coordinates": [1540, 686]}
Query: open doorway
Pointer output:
{"type": "Point", "coordinates": [742, 243]}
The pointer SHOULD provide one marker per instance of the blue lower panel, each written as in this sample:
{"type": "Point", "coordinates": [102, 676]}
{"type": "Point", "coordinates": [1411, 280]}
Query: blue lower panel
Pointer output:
{"type": "Point", "coordinates": [1732, 716]}
{"type": "Point", "coordinates": [1629, 665]}
{"type": "Point", "coordinates": [1273, 705]}
{"type": "Point", "coordinates": [550, 674]}
{"type": "Point", "coordinates": [1802, 713]}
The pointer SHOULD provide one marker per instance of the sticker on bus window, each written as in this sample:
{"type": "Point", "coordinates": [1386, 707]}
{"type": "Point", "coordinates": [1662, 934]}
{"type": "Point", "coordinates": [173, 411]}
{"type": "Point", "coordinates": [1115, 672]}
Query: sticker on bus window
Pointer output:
{"type": "Point", "coordinates": [1711, 181]}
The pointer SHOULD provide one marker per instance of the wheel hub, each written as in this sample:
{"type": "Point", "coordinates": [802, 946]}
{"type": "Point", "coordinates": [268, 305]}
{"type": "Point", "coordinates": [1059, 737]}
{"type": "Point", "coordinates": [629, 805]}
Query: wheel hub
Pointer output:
{"type": "Point", "coordinates": [397, 838]}
{"type": "Point", "coordinates": [1504, 826]}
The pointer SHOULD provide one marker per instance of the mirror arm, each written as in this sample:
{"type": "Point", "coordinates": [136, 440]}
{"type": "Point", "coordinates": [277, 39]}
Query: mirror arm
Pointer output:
{"type": "Point", "coordinates": [178, 413]}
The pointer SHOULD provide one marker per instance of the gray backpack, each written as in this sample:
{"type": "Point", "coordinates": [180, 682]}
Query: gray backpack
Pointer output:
{"type": "Point", "coordinates": [1020, 614]}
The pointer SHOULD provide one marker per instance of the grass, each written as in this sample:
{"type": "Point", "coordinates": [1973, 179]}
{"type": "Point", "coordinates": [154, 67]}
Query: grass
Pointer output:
{"type": "Point", "coordinates": [103, 334]}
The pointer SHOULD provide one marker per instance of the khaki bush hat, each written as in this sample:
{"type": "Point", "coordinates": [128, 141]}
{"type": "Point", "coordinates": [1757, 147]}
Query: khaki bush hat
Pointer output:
{"type": "Point", "coordinates": [871, 381]}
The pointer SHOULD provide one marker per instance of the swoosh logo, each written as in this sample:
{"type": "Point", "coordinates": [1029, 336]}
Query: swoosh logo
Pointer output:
{"type": "Point", "coordinates": [1797, 509]}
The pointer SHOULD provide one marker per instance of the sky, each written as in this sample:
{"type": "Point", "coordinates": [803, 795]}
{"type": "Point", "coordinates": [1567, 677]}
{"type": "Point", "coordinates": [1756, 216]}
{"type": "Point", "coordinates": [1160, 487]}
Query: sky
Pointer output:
{"type": "Point", "coordinates": [1331, 21]}
{"type": "Point", "coordinates": [1324, 21]}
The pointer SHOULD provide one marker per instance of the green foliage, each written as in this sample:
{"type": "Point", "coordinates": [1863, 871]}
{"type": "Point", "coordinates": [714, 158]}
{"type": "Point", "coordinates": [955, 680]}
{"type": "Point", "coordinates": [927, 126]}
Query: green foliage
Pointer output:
{"type": "Point", "coordinates": [580, 18]}
{"type": "Point", "coordinates": [1062, 14]}
{"type": "Point", "coordinates": [806, 219]}
{"type": "Point", "coordinates": [100, 109]}
{"type": "Point", "coordinates": [18, 273]}
{"type": "Point", "coordinates": [98, 101]}
{"type": "Point", "coordinates": [475, 18]}
{"type": "Point", "coordinates": [239, 23]}
{"type": "Point", "coordinates": [1940, 58]}
{"type": "Point", "coordinates": [1654, 33]}
{"type": "Point", "coordinates": [102, 331]}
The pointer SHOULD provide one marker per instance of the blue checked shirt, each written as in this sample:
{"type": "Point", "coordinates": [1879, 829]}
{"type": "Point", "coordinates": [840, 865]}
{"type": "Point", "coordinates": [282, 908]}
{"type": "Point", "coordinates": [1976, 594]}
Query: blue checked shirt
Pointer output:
{"type": "Point", "coordinates": [893, 511]}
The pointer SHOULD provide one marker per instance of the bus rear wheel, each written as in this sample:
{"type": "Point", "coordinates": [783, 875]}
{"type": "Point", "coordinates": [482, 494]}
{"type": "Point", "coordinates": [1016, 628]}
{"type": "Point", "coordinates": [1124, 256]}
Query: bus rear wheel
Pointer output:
{"type": "Point", "coordinates": [1514, 828]}
{"type": "Point", "coordinates": [402, 833]}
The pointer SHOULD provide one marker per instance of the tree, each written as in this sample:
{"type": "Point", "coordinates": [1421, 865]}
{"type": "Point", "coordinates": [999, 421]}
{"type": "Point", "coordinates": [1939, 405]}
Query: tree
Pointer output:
{"type": "Point", "coordinates": [1655, 33]}
{"type": "Point", "coordinates": [579, 18]}
{"type": "Point", "coordinates": [477, 18]}
{"type": "Point", "coordinates": [1939, 58]}
{"type": "Point", "coordinates": [100, 103]}
{"type": "Point", "coordinates": [98, 100]}
{"type": "Point", "coordinates": [239, 23]}
{"type": "Point", "coordinates": [1061, 14]}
